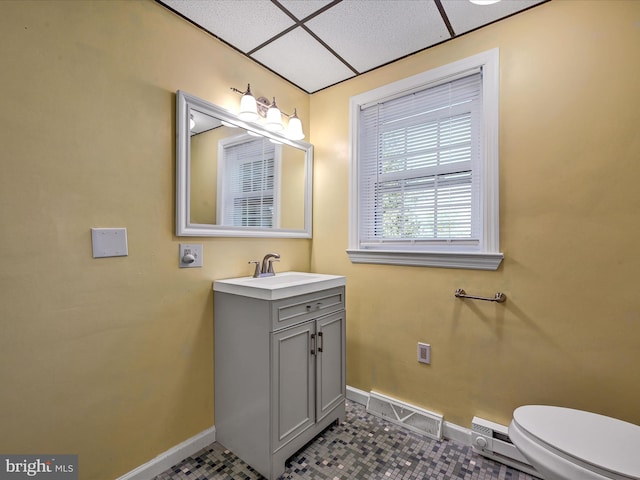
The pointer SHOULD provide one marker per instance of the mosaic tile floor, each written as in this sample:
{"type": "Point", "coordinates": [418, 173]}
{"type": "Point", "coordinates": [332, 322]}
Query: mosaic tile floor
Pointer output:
{"type": "Point", "coordinates": [363, 447]}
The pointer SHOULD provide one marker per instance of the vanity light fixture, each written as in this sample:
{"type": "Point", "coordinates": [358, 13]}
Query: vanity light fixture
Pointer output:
{"type": "Point", "coordinates": [484, 2]}
{"type": "Point", "coordinates": [251, 109]}
{"type": "Point", "coordinates": [192, 122]}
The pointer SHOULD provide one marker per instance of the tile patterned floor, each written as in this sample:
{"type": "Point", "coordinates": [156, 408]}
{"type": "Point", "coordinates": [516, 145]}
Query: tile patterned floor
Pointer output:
{"type": "Point", "coordinates": [363, 447]}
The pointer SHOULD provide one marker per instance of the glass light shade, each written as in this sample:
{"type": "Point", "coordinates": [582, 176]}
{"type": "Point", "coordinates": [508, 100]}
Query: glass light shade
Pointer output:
{"type": "Point", "coordinates": [192, 122]}
{"type": "Point", "coordinates": [484, 2]}
{"type": "Point", "coordinates": [274, 118]}
{"type": "Point", "coordinates": [294, 131]}
{"type": "Point", "coordinates": [248, 108]}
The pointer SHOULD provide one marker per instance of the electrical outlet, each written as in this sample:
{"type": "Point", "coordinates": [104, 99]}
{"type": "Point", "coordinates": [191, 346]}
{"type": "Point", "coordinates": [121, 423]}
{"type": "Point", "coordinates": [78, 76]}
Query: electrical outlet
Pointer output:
{"type": "Point", "coordinates": [424, 353]}
{"type": "Point", "coordinates": [190, 255]}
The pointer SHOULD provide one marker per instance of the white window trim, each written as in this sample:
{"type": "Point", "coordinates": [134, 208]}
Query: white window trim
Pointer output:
{"type": "Point", "coordinates": [490, 257]}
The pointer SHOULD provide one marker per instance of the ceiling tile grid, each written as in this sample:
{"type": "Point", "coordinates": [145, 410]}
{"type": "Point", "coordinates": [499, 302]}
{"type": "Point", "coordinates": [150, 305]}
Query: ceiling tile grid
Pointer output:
{"type": "Point", "coordinates": [302, 60]}
{"type": "Point", "coordinates": [243, 24]}
{"type": "Point", "coordinates": [369, 33]}
{"type": "Point", "coordinates": [314, 44]}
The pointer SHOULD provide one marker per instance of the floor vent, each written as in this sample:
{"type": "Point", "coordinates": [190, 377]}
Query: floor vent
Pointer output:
{"type": "Point", "coordinates": [414, 418]}
{"type": "Point", "coordinates": [492, 440]}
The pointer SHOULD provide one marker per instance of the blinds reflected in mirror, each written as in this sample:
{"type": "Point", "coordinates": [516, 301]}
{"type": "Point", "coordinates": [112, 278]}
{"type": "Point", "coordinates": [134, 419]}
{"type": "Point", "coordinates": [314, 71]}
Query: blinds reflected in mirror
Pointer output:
{"type": "Point", "coordinates": [250, 190]}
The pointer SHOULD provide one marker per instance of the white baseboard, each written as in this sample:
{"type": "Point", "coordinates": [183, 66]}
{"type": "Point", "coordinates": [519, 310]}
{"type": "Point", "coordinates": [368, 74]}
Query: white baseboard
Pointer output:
{"type": "Point", "coordinates": [455, 432]}
{"type": "Point", "coordinates": [358, 396]}
{"type": "Point", "coordinates": [172, 456]}
{"type": "Point", "coordinates": [449, 430]}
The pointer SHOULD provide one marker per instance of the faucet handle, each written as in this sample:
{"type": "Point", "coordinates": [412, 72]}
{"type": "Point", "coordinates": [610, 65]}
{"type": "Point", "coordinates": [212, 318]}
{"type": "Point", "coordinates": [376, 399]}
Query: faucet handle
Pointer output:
{"type": "Point", "coordinates": [256, 272]}
{"type": "Point", "coordinates": [271, 260]}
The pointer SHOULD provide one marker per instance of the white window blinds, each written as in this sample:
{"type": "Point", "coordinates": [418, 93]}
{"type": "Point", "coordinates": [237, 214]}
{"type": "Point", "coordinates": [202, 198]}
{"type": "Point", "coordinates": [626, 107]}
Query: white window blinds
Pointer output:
{"type": "Point", "coordinates": [419, 167]}
{"type": "Point", "coordinates": [248, 199]}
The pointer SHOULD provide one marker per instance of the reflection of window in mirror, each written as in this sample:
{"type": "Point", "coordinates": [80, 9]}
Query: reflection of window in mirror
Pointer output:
{"type": "Point", "coordinates": [249, 173]}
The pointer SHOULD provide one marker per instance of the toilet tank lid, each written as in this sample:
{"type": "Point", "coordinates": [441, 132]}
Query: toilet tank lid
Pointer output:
{"type": "Point", "coordinates": [604, 442]}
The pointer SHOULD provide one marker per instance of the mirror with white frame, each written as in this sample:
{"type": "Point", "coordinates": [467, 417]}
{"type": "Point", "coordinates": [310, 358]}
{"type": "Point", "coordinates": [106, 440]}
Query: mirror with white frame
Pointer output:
{"type": "Point", "coordinates": [237, 179]}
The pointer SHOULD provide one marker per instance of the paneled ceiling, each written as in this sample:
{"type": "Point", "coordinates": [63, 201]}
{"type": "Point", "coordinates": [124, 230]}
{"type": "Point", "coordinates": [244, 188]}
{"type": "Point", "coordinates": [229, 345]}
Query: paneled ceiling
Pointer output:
{"type": "Point", "coordinates": [317, 43]}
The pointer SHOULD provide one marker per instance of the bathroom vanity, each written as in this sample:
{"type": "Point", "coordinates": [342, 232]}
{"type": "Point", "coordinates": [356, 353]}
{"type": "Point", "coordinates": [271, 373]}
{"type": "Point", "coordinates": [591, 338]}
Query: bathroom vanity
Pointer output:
{"type": "Point", "coordinates": [279, 364]}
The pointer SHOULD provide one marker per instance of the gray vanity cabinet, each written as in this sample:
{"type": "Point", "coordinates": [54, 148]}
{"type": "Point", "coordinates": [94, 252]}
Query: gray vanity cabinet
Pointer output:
{"type": "Point", "coordinates": [279, 373]}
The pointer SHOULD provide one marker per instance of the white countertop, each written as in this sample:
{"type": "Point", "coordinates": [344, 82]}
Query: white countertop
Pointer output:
{"type": "Point", "coordinates": [282, 285]}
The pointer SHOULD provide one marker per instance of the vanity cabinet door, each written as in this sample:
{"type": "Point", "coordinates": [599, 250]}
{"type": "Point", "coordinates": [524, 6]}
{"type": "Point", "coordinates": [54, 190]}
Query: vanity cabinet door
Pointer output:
{"type": "Point", "coordinates": [293, 367]}
{"type": "Point", "coordinates": [330, 363]}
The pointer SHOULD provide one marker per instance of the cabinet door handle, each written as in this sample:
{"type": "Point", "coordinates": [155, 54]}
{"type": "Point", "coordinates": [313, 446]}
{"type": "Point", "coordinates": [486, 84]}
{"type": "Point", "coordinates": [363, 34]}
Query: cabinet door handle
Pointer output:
{"type": "Point", "coordinates": [320, 342]}
{"type": "Point", "coordinates": [313, 344]}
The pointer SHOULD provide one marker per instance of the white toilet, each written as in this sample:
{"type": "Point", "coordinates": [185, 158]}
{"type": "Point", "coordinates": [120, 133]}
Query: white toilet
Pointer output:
{"type": "Point", "coordinates": [566, 444]}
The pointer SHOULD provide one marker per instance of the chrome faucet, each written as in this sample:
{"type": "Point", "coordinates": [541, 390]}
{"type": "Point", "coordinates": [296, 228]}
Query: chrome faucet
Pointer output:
{"type": "Point", "coordinates": [266, 269]}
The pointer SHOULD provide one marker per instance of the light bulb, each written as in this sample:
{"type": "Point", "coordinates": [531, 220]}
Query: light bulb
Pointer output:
{"type": "Point", "coordinates": [484, 2]}
{"type": "Point", "coordinates": [192, 122]}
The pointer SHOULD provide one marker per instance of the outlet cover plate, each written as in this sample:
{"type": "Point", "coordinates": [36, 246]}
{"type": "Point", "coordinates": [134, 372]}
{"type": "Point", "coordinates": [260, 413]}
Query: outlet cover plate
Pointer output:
{"type": "Point", "coordinates": [194, 249]}
{"type": "Point", "coordinates": [424, 353]}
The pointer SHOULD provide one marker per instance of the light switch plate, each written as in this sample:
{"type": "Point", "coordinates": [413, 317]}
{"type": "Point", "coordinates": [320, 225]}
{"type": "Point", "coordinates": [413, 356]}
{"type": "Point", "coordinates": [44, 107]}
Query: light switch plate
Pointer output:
{"type": "Point", "coordinates": [109, 242]}
{"type": "Point", "coordinates": [190, 255]}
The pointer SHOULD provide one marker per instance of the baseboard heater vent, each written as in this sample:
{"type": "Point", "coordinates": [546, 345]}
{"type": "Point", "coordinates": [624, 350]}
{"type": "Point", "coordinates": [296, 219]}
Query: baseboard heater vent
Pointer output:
{"type": "Point", "coordinates": [414, 418]}
{"type": "Point", "coordinates": [492, 440]}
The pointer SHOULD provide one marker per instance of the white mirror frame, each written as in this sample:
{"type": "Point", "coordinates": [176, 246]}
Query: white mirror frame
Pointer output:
{"type": "Point", "coordinates": [184, 227]}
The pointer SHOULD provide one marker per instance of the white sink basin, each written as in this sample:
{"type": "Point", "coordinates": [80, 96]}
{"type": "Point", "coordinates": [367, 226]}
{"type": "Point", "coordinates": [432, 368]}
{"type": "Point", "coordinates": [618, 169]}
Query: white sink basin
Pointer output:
{"type": "Point", "coordinates": [282, 285]}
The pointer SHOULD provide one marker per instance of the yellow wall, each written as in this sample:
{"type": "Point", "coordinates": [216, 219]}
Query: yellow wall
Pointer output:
{"type": "Point", "coordinates": [113, 358]}
{"type": "Point", "coordinates": [109, 358]}
{"type": "Point", "coordinates": [569, 333]}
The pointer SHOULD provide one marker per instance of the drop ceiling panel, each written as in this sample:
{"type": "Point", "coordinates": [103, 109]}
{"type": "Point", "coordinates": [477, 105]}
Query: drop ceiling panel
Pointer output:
{"type": "Point", "coordinates": [368, 33]}
{"type": "Point", "coordinates": [243, 24]}
{"type": "Point", "coordinates": [301, 9]}
{"type": "Point", "coordinates": [467, 16]}
{"type": "Point", "coordinates": [298, 57]}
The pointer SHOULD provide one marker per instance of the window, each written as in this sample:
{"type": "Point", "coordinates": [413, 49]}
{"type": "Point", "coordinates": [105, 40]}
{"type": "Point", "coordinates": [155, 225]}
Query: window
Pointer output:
{"type": "Point", "coordinates": [424, 169]}
{"type": "Point", "coordinates": [248, 192]}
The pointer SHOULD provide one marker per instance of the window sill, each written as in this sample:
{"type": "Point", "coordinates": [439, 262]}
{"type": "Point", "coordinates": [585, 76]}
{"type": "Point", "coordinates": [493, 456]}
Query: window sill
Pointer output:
{"type": "Point", "coordinates": [472, 261]}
